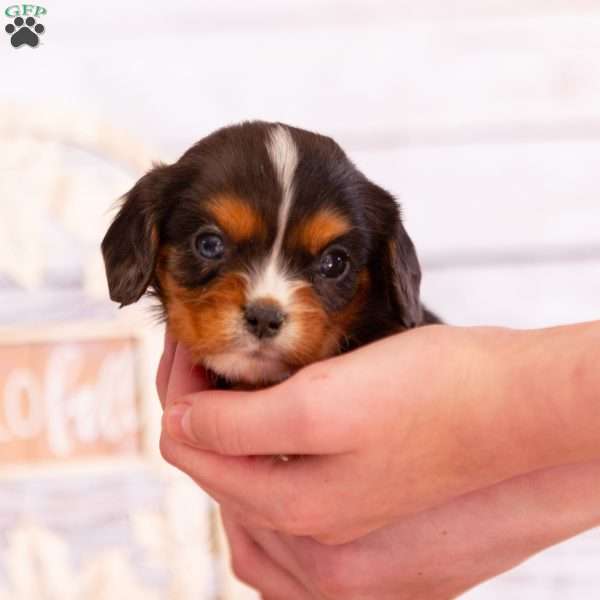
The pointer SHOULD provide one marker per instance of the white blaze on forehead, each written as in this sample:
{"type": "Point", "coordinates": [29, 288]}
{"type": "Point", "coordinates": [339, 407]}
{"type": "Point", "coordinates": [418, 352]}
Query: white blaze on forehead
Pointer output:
{"type": "Point", "coordinates": [271, 280]}
{"type": "Point", "coordinates": [284, 156]}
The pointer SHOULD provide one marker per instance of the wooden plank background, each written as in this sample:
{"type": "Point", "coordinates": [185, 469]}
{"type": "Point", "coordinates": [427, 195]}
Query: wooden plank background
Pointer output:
{"type": "Point", "coordinates": [482, 116]}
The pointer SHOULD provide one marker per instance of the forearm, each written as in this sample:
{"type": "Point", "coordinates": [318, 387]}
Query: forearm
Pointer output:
{"type": "Point", "coordinates": [512, 402]}
{"type": "Point", "coordinates": [443, 552]}
{"type": "Point", "coordinates": [495, 529]}
{"type": "Point", "coordinates": [544, 508]}
{"type": "Point", "coordinates": [552, 395]}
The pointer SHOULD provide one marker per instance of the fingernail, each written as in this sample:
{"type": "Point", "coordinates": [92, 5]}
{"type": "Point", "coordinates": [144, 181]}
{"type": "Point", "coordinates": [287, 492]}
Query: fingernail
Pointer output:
{"type": "Point", "coordinates": [178, 422]}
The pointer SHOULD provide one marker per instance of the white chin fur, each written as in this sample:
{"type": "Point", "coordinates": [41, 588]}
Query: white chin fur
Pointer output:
{"type": "Point", "coordinates": [246, 368]}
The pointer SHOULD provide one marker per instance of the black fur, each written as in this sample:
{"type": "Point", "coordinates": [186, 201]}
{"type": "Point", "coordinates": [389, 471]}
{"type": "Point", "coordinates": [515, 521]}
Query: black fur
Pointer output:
{"type": "Point", "coordinates": [165, 207]}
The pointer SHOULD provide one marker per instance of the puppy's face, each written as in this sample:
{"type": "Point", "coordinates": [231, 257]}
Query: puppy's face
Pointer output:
{"type": "Point", "coordinates": [268, 250]}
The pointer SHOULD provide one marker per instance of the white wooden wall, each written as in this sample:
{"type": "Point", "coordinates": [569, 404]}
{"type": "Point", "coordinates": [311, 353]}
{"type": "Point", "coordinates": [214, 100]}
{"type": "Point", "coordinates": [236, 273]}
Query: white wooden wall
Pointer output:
{"type": "Point", "coordinates": [483, 116]}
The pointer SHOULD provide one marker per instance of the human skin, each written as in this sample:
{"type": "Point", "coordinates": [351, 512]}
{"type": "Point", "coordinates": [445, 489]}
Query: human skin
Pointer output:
{"type": "Point", "coordinates": [394, 428]}
{"type": "Point", "coordinates": [434, 555]}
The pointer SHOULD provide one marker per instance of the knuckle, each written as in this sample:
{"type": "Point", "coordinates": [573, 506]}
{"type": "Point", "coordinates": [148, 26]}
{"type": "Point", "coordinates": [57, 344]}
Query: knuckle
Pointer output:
{"type": "Point", "coordinates": [306, 415]}
{"type": "Point", "coordinates": [320, 423]}
{"type": "Point", "coordinates": [220, 430]}
{"type": "Point", "coordinates": [232, 439]}
{"type": "Point", "coordinates": [227, 433]}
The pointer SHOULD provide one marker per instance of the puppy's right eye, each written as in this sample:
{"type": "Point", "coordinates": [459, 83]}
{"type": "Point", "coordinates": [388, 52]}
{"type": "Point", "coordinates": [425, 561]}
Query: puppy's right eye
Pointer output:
{"type": "Point", "coordinates": [210, 246]}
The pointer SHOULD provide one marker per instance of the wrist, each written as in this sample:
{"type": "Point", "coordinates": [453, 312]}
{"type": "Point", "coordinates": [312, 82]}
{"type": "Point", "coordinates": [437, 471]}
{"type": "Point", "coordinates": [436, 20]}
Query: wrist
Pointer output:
{"type": "Point", "coordinates": [539, 510]}
{"type": "Point", "coordinates": [532, 512]}
{"type": "Point", "coordinates": [548, 399]}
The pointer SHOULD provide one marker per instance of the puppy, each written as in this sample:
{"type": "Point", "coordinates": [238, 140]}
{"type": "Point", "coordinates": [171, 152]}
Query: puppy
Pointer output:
{"type": "Point", "coordinates": [268, 250]}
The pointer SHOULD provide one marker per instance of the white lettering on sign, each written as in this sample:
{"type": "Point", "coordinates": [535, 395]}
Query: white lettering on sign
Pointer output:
{"type": "Point", "coordinates": [67, 404]}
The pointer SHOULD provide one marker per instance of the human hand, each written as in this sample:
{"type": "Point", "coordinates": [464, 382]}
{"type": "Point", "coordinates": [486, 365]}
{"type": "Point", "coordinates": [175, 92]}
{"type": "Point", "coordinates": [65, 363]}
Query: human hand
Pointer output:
{"type": "Point", "coordinates": [434, 555]}
{"type": "Point", "coordinates": [178, 376]}
{"type": "Point", "coordinates": [391, 429]}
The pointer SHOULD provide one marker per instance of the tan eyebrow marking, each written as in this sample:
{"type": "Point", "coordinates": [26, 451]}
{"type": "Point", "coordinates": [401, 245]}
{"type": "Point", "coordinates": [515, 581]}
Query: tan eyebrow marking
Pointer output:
{"type": "Point", "coordinates": [319, 230]}
{"type": "Point", "coordinates": [237, 218]}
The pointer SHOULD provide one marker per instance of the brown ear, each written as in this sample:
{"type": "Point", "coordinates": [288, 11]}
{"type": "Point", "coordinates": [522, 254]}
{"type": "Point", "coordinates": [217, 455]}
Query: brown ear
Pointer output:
{"type": "Point", "coordinates": [130, 246]}
{"type": "Point", "coordinates": [406, 277]}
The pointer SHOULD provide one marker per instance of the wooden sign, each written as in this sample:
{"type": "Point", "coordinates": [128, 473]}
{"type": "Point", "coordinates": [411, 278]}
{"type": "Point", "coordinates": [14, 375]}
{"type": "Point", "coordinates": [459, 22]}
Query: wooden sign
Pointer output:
{"type": "Point", "coordinates": [64, 400]}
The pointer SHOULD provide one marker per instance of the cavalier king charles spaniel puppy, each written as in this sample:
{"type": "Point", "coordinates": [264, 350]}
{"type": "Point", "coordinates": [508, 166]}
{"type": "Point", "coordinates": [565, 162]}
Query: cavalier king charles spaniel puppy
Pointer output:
{"type": "Point", "coordinates": [267, 250]}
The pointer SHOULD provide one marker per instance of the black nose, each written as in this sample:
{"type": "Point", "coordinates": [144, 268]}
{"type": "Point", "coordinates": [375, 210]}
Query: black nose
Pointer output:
{"type": "Point", "coordinates": [263, 319]}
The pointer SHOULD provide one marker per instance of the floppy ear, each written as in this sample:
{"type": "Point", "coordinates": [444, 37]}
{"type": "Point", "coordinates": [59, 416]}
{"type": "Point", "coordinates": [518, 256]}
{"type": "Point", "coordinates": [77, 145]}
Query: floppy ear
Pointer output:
{"type": "Point", "coordinates": [405, 272]}
{"type": "Point", "coordinates": [398, 270]}
{"type": "Point", "coordinates": [130, 246]}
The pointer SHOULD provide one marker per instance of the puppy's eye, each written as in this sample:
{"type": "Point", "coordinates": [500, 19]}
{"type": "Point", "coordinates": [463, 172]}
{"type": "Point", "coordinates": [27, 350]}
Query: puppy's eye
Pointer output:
{"type": "Point", "coordinates": [210, 245]}
{"type": "Point", "coordinates": [334, 263]}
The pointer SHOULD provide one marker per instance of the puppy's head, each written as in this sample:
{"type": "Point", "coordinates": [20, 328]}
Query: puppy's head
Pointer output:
{"type": "Point", "coordinates": [268, 250]}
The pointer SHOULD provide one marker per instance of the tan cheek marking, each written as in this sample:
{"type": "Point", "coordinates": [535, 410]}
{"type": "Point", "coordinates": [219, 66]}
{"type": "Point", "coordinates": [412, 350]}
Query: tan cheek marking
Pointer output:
{"type": "Point", "coordinates": [310, 336]}
{"type": "Point", "coordinates": [206, 320]}
{"type": "Point", "coordinates": [319, 230]}
{"type": "Point", "coordinates": [318, 335]}
{"type": "Point", "coordinates": [237, 218]}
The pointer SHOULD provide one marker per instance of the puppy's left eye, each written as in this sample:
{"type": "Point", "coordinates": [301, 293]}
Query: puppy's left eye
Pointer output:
{"type": "Point", "coordinates": [210, 245]}
{"type": "Point", "coordinates": [334, 263]}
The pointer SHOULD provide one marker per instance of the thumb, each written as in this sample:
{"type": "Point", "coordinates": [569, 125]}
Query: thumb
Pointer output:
{"type": "Point", "coordinates": [294, 417]}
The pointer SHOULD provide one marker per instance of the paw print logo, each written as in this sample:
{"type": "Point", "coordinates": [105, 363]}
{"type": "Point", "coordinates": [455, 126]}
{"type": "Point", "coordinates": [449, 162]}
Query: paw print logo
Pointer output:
{"type": "Point", "coordinates": [24, 32]}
